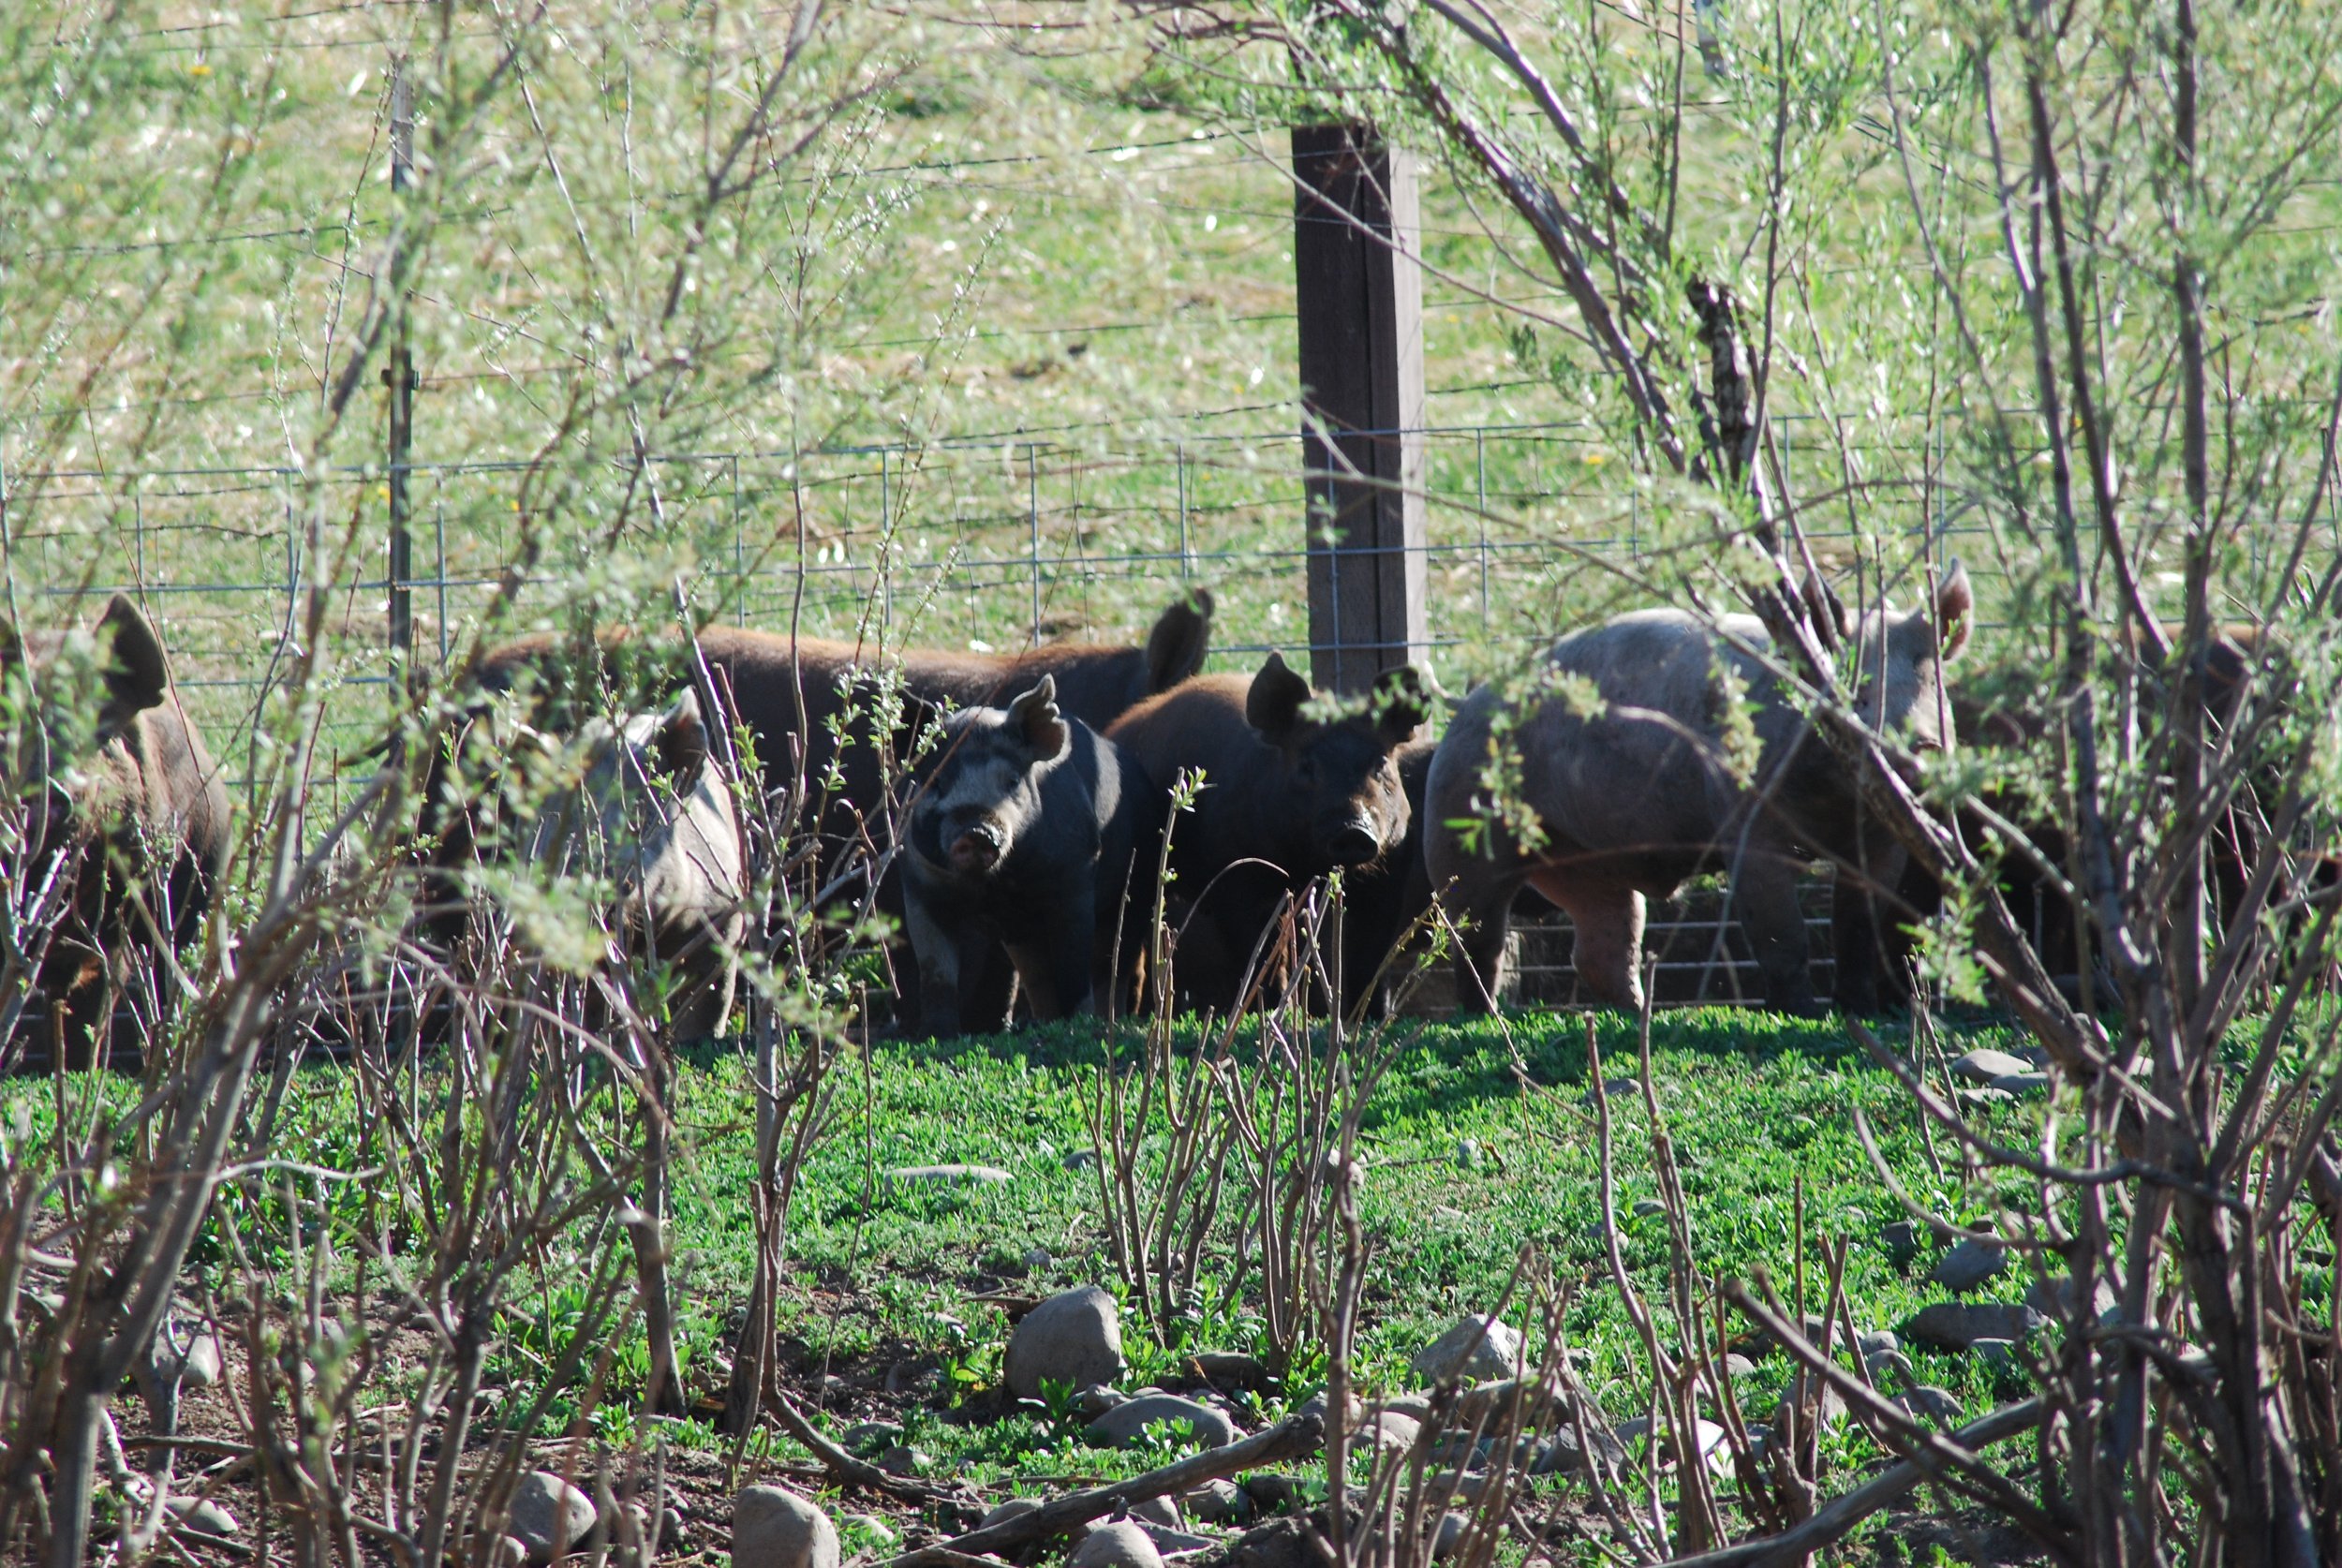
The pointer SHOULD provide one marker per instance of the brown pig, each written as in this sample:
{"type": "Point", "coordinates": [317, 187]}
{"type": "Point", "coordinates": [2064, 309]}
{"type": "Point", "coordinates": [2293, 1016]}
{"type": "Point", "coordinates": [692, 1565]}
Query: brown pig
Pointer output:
{"type": "Point", "coordinates": [1600, 811]}
{"type": "Point", "coordinates": [122, 798]}
{"type": "Point", "coordinates": [790, 692]}
{"type": "Point", "coordinates": [1287, 797]}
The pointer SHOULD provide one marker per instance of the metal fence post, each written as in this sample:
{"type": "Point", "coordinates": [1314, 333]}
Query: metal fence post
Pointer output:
{"type": "Point", "coordinates": [1032, 529]}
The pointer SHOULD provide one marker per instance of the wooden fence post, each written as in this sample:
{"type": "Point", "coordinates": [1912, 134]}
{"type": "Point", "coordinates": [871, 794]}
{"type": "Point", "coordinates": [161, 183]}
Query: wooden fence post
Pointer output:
{"type": "Point", "coordinates": [1358, 273]}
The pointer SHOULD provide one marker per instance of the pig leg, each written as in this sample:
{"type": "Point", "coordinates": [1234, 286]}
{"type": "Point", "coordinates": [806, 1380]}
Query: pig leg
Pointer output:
{"type": "Point", "coordinates": [1863, 903]}
{"type": "Point", "coordinates": [987, 984]}
{"type": "Point", "coordinates": [1764, 901]}
{"type": "Point", "coordinates": [936, 950]}
{"type": "Point", "coordinates": [1607, 920]}
{"type": "Point", "coordinates": [1056, 970]}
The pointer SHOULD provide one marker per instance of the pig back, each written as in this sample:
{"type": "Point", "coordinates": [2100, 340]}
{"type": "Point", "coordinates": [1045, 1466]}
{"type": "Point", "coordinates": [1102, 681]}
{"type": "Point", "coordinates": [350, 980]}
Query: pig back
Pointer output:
{"type": "Point", "coordinates": [1647, 775]}
{"type": "Point", "coordinates": [1202, 725]}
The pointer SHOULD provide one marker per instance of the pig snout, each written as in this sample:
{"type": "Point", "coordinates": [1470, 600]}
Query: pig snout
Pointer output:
{"type": "Point", "coordinates": [1355, 843]}
{"type": "Point", "coordinates": [978, 848]}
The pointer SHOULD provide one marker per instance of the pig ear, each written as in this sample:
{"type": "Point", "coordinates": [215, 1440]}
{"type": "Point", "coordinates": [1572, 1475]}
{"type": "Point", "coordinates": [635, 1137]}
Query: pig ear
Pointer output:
{"type": "Point", "coordinates": [1273, 706]}
{"type": "Point", "coordinates": [1401, 703]}
{"type": "Point", "coordinates": [137, 674]}
{"type": "Point", "coordinates": [1034, 717]}
{"type": "Point", "coordinates": [682, 742]}
{"type": "Point", "coordinates": [1955, 610]}
{"type": "Point", "coordinates": [1177, 645]}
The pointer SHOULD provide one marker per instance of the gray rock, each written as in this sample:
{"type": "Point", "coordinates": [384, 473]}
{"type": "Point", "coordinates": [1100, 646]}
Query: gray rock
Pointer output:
{"type": "Point", "coordinates": [1987, 1095]}
{"type": "Point", "coordinates": [1176, 1544]}
{"type": "Point", "coordinates": [1080, 1159]}
{"type": "Point", "coordinates": [1876, 1340]}
{"type": "Point", "coordinates": [1015, 1507]}
{"type": "Point", "coordinates": [1232, 1369]}
{"type": "Point", "coordinates": [1156, 1511]}
{"type": "Point", "coordinates": [1119, 1544]}
{"type": "Point", "coordinates": [2055, 1298]}
{"type": "Point", "coordinates": [865, 1436]}
{"type": "Point", "coordinates": [1616, 1090]}
{"type": "Point", "coordinates": [1887, 1367]}
{"type": "Point", "coordinates": [1982, 1066]}
{"type": "Point", "coordinates": [1973, 1263]}
{"type": "Point", "coordinates": [1467, 1153]}
{"type": "Point", "coordinates": [1954, 1325]}
{"type": "Point", "coordinates": [189, 1357]}
{"type": "Point", "coordinates": [1095, 1401]}
{"type": "Point", "coordinates": [2001, 1353]}
{"type": "Point", "coordinates": [1709, 1437]}
{"type": "Point", "coordinates": [1220, 1502]}
{"type": "Point", "coordinates": [948, 1176]}
{"type": "Point", "coordinates": [1930, 1403]}
{"type": "Point", "coordinates": [1457, 1486]}
{"type": "Point", "coordinates": [1415, 1407]}
{"type": "Point", "coordinates": [1649, 1209]}
{"type": "Point", "coordinates": [1831, 1406]}
{"type": "Point", "coordinates": [1126, 1423]}
{"type": "Point", "coordinates": [774, 1527]}
{"type": "Point", "coordinates": [896, 1459]}
{"type": "Point", "coordinates": [1073, 1337]}
{"type": "Point", "coordinates": [1450, 1536]}
{"type": "Point", "coordinates": [549, 1515]}
{"type": "Point", "coordinates": [506, 1552]}
{"type": "Point", "coordinates": [2023, 1085]}
{"type": "Point", "coordinates": [1387, 1431]}
{"type": "Point", "coordinates": [1738, 1365]}
{"type": "Point", "coordinates": [871, 1525]}
{"type": "Point", "coordinates": [1035, 1259]}
{"type": "Point", "coordinates": [1479, 1348]}
{"type": "Point", "coordinates": [205, 1517]}
{"type": "Point", "coordinates": [1903, 1239]}
{"type": "Point", "coordinates": [1565, 1452]}
{"type": "Point", "coordinates": [1273, 1491]}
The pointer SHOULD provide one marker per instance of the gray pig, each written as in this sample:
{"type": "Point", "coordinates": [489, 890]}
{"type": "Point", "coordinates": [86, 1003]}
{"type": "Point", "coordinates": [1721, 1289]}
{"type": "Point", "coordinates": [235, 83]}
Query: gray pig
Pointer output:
{"type": "Point", "coordinates": [1636, 799]}
{"type": "Point", "coordinates": [1022, 844]}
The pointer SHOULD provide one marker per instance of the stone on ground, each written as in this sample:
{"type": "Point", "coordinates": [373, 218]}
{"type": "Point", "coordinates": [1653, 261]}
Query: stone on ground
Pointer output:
{"type": "Point", "coordinates": [1930, 1403]}
{"type": "Point", "coordinates": [1478, 1349]}
{"type": "Point", "coordinates": [1073, 1337]}
{"type": "Point", "coordinates": [1388, 1430]}
{"type": "Point", "coordinates": [1954, 1325]}
{"type": "Point", "coordinates": [1119, 1544]}
{"type": "Point", "coordinates": [1232, 1369]}
{"type": "Point", "coordinates": [975, 1176]}
{"type": "Point", "coordinates": [1220, 1502]}
{"type": "Point", "coordinates": [1566, 1452]}
{"type": "Point", "coordinates": [1156, 1511]}
{"type": "Point", "coordinates": [1975, 1262]}
{"type": "Point", "coordinates": [774, 1528]}
{"type": "Point", "coordinates": [201, 1514]}
{"type": "Point", "coordinates": [549, 1515]}
{"type": "Point", "coordinates": [2023, 1085]}
{"type": "Point", "coordinates": [1983, 1065]}
{"type": "Point", "coordinates": [1126, 1423]}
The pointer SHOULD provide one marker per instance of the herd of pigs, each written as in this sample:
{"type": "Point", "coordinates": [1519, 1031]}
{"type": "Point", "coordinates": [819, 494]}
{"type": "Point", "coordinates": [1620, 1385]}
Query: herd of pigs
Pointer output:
{"type": "Point", "coordinates": [1041, 847]}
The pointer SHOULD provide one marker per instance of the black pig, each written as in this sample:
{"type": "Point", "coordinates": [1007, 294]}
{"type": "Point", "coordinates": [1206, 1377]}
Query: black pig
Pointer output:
{"type": "Point", "coordinates": [1021, 846]}
{"type": "Point", "coordinates": [1287, 798]}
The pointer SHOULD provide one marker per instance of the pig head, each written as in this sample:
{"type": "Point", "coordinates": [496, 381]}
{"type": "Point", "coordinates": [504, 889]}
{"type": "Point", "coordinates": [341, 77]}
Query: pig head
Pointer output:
{"type": "Point", "coordinates": [1029, 856]}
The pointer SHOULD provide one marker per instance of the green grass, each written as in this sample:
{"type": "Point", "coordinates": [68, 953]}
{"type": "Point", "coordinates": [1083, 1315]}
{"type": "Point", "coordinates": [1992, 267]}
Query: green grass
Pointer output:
{"type": "Point", "coordinates": [881, 1274]}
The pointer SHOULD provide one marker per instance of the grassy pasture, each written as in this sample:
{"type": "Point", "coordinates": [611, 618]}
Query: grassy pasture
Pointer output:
{"type": "Point", "coordinates": [887, 1278]}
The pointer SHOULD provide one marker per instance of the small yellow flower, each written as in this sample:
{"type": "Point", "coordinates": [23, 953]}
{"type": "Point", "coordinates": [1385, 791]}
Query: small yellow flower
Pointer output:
{"type": "Point", "coordinates": [199, 68]}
